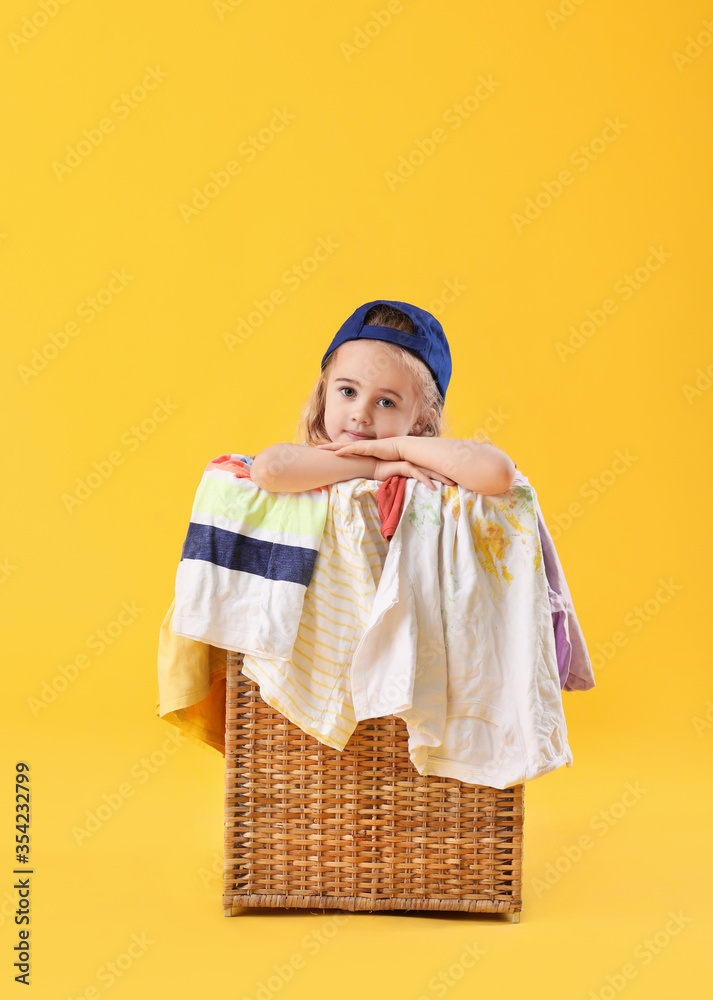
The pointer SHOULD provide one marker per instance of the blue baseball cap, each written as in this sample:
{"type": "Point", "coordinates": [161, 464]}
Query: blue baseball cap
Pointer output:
{"type": "Point", "coordinates": [428, 341]}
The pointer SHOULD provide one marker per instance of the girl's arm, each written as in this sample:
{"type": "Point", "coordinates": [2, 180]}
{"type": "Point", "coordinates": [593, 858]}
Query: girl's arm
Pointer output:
{"type": "Point", "coordinates": [475, 465]}
{"type": "Point", "coordinates": [293, 468]}
{"type": "Point", "coordinates": [290, 468]}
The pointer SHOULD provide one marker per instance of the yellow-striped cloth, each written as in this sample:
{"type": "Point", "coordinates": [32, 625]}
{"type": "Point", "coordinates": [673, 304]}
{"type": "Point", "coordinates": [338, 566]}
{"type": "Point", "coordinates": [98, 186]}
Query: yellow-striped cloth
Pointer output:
{"type": "Point", "coordinates": [313, 688]}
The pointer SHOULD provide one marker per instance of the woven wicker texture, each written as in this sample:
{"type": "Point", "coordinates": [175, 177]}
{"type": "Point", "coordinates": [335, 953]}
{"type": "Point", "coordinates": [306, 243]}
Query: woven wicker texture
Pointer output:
{"type": "Point", "coordinates": [360, 829]}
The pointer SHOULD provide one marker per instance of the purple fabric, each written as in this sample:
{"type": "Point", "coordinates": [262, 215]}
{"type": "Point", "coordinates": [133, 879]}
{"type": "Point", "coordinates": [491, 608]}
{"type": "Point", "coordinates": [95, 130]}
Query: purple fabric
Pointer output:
{"type": "Point", "coordinates": [573, 662]}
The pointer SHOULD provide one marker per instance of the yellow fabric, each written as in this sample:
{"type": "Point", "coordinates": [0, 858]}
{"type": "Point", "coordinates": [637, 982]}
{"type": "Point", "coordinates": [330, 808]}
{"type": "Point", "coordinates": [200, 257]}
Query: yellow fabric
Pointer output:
{"type": "Point", "coordinates": [191, 679]}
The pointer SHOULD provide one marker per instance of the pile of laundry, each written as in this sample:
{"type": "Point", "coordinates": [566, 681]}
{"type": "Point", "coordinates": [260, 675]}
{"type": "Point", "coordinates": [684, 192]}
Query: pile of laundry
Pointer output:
{"type": "Point", "coordinates": [446, 608]}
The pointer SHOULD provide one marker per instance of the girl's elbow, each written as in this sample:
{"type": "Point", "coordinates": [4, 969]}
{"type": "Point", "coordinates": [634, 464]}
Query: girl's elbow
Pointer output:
{"type": "Point", "coordinates": [260, 469]}
{"type": "Point", "coordinates": [500, 480]}
{"type": "Point", "coordinates": [256, 474]}
{"type": "Point", "coordinates": [274, 468]}
{"type": "Point", "coordinates": [508, 476]}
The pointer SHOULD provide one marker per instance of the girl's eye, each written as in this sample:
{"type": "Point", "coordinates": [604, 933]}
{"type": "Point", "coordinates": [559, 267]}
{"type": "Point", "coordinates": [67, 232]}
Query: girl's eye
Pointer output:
{"type": "Point", "coordinates": [386, 398]}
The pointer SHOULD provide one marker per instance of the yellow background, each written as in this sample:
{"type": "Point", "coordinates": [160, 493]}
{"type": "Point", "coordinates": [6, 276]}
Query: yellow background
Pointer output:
{"type": "Point", "coordinates": [150, 869]}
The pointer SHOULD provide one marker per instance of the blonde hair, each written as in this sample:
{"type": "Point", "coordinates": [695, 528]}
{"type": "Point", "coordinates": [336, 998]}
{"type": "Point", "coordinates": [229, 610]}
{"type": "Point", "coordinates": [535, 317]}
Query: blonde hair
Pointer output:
{"type": "Point", "coordinates": [430, 419]}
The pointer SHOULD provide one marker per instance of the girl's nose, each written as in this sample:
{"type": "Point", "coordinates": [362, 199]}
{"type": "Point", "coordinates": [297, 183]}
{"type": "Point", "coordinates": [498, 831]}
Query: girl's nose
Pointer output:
{"type": "Point", "coordinates": [360, 414]}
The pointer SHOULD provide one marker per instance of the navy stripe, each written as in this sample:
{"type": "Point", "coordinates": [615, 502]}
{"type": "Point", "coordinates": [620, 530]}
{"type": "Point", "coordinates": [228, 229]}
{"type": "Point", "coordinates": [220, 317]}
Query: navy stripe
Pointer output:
{"type": "Point", "coordinates": [271, 560]}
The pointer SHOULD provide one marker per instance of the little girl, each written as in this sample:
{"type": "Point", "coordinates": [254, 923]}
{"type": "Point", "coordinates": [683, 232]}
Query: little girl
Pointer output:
{"type": "Point", "coordinates": [377, 411]}
{"type": "Point", "coordinates": [300, 613]}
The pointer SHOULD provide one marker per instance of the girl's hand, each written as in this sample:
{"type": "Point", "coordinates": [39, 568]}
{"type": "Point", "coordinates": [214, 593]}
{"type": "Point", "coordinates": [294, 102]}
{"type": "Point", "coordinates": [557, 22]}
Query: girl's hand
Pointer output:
{"type": "Point", "coordinates": [388, 449]}
{"type": "Point", "coordinates": [391, 461]}
{"type": "Point", "coordinates": [383, 470]}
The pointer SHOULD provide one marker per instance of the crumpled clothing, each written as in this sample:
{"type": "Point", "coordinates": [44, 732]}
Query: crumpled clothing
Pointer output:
{"type": "Point", "coordinates": [282, 679]}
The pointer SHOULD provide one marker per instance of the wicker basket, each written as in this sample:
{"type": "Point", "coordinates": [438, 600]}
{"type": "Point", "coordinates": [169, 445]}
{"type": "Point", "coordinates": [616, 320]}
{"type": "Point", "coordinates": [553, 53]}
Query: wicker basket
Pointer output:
{"type": "Point", "coordinates": [360, 829]}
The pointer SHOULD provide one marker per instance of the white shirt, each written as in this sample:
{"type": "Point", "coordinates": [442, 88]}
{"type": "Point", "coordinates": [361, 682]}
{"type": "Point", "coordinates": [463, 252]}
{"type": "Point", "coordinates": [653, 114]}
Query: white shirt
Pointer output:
{"type": "Point", "coordinates": [448, 626]}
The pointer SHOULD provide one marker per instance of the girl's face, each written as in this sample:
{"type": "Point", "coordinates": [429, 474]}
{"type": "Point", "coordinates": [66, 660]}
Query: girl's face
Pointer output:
{"type": "Point", "coordinates": [369, 394]}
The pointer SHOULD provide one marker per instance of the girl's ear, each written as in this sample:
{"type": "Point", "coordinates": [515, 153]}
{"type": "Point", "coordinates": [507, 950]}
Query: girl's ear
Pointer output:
{"type": "Point", "coordinates": [421, 423]}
